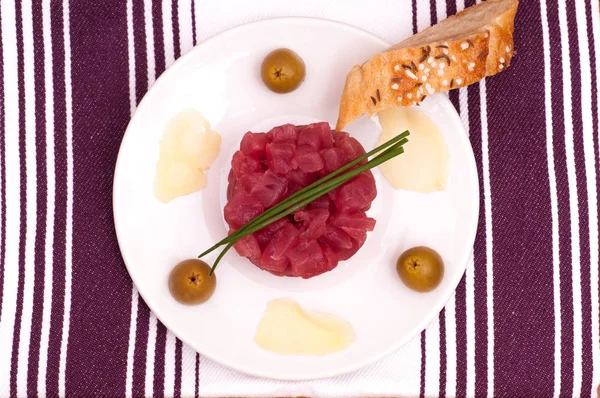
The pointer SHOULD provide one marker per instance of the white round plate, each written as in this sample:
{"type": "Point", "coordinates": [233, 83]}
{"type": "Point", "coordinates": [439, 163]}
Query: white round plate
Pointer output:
{"type": "Point", "coordinates": [220, 78]}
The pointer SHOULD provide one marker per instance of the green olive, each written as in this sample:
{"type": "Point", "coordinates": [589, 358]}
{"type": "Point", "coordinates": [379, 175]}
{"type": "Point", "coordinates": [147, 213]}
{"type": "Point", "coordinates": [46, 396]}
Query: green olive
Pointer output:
{"type": "Point", "coordinates": [282, 71]}
{"type": "Point", "coordinates": [420, 268]}
{"type": "Point", "coordinates": [190, 282]}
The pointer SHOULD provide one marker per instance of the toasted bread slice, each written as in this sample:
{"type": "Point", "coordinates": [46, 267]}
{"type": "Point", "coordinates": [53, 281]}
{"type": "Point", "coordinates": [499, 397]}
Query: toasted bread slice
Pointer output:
{"type": "Point", "coordinates": [457, 52]}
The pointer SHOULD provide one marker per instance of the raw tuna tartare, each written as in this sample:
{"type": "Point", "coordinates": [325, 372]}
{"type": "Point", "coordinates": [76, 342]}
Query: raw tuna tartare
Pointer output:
{"type": "Point", "coordinates": [271, 166]}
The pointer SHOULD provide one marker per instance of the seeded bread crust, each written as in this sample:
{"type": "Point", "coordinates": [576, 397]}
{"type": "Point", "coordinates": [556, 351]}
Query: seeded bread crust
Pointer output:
{"type": "Point", "coordinates": [406, 74]}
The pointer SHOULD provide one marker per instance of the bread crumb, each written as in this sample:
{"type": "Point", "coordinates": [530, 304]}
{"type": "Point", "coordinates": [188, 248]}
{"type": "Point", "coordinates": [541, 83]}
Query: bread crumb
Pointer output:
{"type": "Point", "coordinates": [395, 86]}
{"type": "Point", "coordinates": [409, 95]}
{"type": "Point", "coordinates": [459, 81]}
{"type": "Point", "coordinates": [421, 66]}
{"type": "Point", "coordinates": [501, 60]}
{"type": "Point", "coordinates": [507, 49]}
{"type": "Point", "coordinates": [400, 99]}
{"type": "Point", "coordinates": [464, 46]}
{"type": "Point", "coordinates": [471, 67]}
{"type": "Point", "coordinates": [410, 74]}
{"type": "Point", "coordinates": [424, 78]}
{"type": "Point", "coordinates": [444, 82]}
{"type": "Point", "coordinates": [397, 67]}
{"type": "Point", "coordinates": [441, 72]}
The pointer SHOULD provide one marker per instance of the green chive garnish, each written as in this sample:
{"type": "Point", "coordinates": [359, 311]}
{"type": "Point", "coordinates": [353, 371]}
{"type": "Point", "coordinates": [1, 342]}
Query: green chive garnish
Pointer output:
{"type": "Point", "coordinates": [391, 149]}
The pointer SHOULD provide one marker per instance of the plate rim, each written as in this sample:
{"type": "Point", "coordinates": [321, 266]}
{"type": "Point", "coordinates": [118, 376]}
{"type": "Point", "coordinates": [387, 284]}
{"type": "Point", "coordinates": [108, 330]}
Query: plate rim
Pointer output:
{"type": "Point", "coordinates": [471, 235]}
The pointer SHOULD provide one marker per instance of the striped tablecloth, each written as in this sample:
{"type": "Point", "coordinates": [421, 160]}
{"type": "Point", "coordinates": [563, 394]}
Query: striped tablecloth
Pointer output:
{"type": "Point", "coordinates": [524, 319]}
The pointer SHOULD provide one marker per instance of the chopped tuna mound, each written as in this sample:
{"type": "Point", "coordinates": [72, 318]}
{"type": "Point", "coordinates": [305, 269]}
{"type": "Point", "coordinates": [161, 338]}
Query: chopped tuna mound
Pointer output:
{"type": "Point", "coordinates": [270, 167]}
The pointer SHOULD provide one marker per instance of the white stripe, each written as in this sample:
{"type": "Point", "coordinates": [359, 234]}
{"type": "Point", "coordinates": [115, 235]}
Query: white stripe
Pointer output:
{"type": "Point", "coordinates": [185, 25]}
{"type": "Point", "coordinates": [470, 275]}
{"type": "Point", "coordinates": [188, 371]}
{"type": "Point", "coordinates": [451, 346]}
{"type": "Point", "coordinates": [149, 41]}
{"type": "Point", "coordinates": [441, 10]}
{"type": "Point", "coordinates": [470, 325]}
{"type": "Point", "coordinates": [170, 365]}
{"type": "Point", "coordinates": [432, 359]}
{"type": "Point", "coordinates": [463, 102]}
{"type": "Point", "coordinates": [553, 198]}
{"type": "Point", "coordinates": [423, 16]}
{"type": "Point", "coordinates": [590, 170]}
{"type": "Point", "coordinates": [168, 33]}
{"type": "Point", "coordinates": [49, 244]}
{"type": "Point", "coordinates": [487, 201]}
{"type": "Point", "coordinates": [11, 137]}
{"type": "Point", "coordinates": [149, 385]}
{"type": "Point", "coordinates": [595, 278]}
{"type": "Point", "coordinates": [131, 346]}
{"type": "Point", "coordinates": [134, 293]}
{"type": "Point", "coordinates": [69, 223]}
{"type": "Point", "coordinates": [31, 205]}
{"type": "Point", "coordinates": [573, 199]}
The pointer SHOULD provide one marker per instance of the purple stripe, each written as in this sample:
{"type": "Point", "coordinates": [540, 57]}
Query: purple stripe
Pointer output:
{"type": "Point", "coordinates": [460, 299]}
{"type": "Point", "coordinates": [443, 360]}
{"type": "Point", "coordinates": [194, 22]}
{"type": "Point", "coordinates": [141, 56]}
{"type": "Point", "coordinates": [178, 359]}
{"type": "Point", "coordinates": [60, 199]}
{"type": "Point", "coordinates": [42, 200]}
{"type": "Point", "coordinates": [159, 41]}
{"type": "Point", "coordinates": [98, 335]}
{"type": "Point", "coordinates": [479, 250]}
{"type": "Point", "coordinates": [584, 232]}
{"type": "Point", "coordinates": [22, 200]}
{"type": "Point", "coordinates": [519, 178]}
{"type": "Point", "coordinates": [423, 363]}
{"type": "Point", "coordinates": [2, 173]}
{"type": "Point", "coordinates": [451, 10]}
{"type": "Point", "coordinates": [433, 12]}
{"type": "Point", "coordinates": [564, 216]}
{"type": "Point", "coordinates": [175, 23]}
{"type": "Point", "coordinates": [197, 376]}
{"type": "Point", "coordinates": [414, 16]}
{"type": "Point", "coordinates": [159, 360]}
{"type": "Point", "coordinates": [139, 352]}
